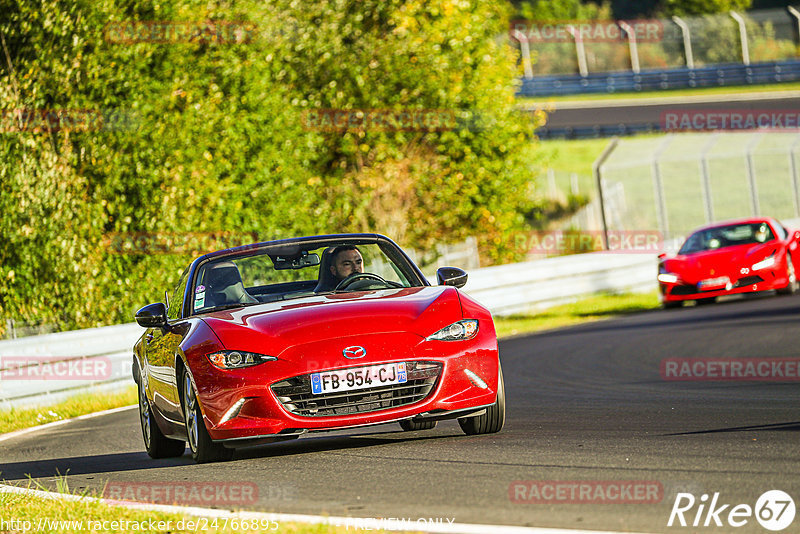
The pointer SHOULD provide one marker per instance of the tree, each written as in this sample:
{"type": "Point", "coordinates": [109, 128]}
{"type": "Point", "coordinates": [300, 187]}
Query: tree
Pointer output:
{"type": "Point", "coordinates": [704, 7]}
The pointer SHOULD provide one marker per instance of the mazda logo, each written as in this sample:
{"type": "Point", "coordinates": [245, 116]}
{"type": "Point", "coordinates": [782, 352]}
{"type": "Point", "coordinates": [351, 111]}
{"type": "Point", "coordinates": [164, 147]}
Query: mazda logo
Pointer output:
{"type": "Point", "coordinates": [354, 352]}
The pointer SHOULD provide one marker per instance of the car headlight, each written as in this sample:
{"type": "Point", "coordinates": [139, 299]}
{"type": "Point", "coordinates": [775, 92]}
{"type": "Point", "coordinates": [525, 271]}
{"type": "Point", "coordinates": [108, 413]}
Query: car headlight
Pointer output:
{"type": "Point", "coordinates": [464, 329]}
{"type": "Point", "coordinates": [764, 264]}
{"type": "Point", "coordinates": [667, 278]}
{"type": "Point", "coordinates": [236, 359]}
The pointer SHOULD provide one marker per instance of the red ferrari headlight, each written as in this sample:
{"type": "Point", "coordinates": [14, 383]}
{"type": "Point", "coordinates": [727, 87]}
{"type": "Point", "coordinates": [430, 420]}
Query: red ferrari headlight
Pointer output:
{"type": "Point", "coordinates": [236, 359]}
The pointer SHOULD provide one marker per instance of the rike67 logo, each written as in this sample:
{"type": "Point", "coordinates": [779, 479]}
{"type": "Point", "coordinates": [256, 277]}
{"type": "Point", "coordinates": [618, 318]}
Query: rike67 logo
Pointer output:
{"type": "Point", "coordinates": [774, 510]}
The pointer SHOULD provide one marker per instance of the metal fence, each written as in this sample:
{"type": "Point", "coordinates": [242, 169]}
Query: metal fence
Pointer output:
{"type": "Point", "coordinates": [676, 182]}
{"type": "Point", "coordinates": [606, 46]}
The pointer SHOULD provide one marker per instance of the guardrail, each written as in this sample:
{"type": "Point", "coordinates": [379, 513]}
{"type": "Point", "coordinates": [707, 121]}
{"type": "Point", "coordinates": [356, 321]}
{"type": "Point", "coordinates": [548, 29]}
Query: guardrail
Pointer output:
{"type": "Point", "coordinates": [50, 367]}
{"type": "Point", "coordinates": [731, 74]}
{"type": "Point", "coordinates": [55, 360]}
{"type": "Point", "coordinates": [521, 287]}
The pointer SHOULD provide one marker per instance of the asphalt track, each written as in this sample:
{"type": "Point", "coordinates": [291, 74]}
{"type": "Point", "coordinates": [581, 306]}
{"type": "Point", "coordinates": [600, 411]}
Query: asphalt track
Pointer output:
{"type": "Point", "coordinates": [641, 113]}
{"type": "Point", "coordinates": [584, 403]}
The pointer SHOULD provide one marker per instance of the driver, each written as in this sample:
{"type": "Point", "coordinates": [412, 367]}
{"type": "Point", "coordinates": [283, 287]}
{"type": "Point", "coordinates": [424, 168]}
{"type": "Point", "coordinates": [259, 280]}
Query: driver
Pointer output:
{"type": "Point", "coordinates": [761, 233]}
{"type": "Point", "coordinates": [346, 260]}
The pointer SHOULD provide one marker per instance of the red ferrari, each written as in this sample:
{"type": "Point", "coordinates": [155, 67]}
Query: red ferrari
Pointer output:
{"type": "Point", "coordinates": [266, 342]}
{"type": "Point", "coordinates": [740, 256]}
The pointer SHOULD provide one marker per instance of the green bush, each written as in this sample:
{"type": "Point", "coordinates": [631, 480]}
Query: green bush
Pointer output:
{"type": "Point", "coordinates": [219, 150]}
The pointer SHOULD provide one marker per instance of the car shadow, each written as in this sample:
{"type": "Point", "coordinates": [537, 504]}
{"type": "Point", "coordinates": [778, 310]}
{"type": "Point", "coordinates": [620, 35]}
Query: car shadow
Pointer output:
{"type": "Point", "coordinates": [138, 461]}
{"type": "Point", "coordinates": [305, 445]}
{"type": "Point", "coordinates": [783, 427]}
{"type": "Point", "coordinates": [662, 318]}
{"type": "Point", "coordinates": [86, 465]}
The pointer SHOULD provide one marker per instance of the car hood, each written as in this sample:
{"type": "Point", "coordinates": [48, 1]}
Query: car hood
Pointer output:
{"type": "Point", "coordinates": [726, 261]}
{"type": "Point", "coordinates": [272, 328]}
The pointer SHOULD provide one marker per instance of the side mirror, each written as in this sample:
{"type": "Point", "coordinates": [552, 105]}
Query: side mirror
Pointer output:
{"type": "Point", "coordinates": [662, 255]}
{"type": "Point", "coordinates": [451, 276]}
{"type": "Point", "coordinates": [152, 315]}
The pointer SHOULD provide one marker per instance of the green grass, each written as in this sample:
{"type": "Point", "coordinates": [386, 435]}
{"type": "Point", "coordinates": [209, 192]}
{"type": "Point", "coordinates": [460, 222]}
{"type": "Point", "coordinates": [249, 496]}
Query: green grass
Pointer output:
{"type": "Point", "coordinates": [572, 156]}
{"type": "Point", "coordinates": [710, 91]}
{"type": "Point", "coordinates": [48, 515]}
{"type": "Point", "coordinates": [18, 418]}
{"type": "Point", "coordinates": [586, 310]}
{"type": "Point", "coordinates": [567, 157]}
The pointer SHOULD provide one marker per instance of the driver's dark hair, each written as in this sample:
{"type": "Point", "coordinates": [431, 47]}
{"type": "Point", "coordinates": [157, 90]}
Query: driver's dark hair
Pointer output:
{"type": "Point", "coordinates": [342, 248]}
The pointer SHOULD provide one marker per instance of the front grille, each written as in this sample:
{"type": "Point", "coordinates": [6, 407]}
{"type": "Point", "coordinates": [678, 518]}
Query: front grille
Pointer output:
{"type": "Point", "coordinates": [748, 280]}
{"type": "Point", "coordinates": [684, 290]}
{"type": "Point", "coordinates": [296, 397]}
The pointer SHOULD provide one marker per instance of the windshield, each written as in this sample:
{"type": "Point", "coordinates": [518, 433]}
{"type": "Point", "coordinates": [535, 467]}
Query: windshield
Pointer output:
{"type": "Point", "coordinates": [727, 236]}
{"type": "Point", "coordinates": [296, 271]}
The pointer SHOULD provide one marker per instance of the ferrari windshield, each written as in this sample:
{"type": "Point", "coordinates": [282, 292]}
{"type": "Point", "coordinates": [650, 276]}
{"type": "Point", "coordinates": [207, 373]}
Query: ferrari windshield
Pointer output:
{"type": "Point", "coordinates": [727, 236]}
{"type": "Point", "coordinates": [298, 270]}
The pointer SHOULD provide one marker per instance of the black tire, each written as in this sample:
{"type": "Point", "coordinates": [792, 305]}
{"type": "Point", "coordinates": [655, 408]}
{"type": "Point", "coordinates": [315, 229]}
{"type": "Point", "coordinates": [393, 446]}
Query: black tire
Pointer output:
{"type": "Point", "coordinates": [156, 443]}
{"type": "Point", "coordinates": [705, 301]}
{"type": "Point", "coordinates": [492, 420]}
{"type": "Point", "coordinates": [791, 287]}
{"type": "Point", "coordinates": [672, 304]}
{"type": "Point", "coordinates": [409, 425]}
{"type": "Point", "coordinates": [204, 450]}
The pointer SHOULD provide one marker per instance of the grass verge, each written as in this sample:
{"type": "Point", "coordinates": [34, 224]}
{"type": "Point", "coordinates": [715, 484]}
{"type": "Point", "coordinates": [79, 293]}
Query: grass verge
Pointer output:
{"type": "Point", "coordinates": [700, 91]}
{"type": "Point", "coordinates": [18, 418]}
{"type": "Point", "coordinates": [582, 311]}
{"type": "Point", "coordinates": [572, 155]}
{"type": "Point", "coordinates": [23, 513]}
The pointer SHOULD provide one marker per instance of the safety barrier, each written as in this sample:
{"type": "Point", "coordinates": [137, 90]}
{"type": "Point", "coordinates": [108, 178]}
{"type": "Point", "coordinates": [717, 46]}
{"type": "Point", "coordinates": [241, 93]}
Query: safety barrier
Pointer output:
{"type": "Point", "coordinates": [731, 74]}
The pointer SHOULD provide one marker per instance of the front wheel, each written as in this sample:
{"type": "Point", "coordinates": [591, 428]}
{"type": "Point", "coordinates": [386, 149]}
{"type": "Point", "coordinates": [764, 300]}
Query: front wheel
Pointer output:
{"type": "Point", "coordinates": [204, 450]}
{"type": "Point", "coordinates": [791, 287]}
{"type": "Point", "coordinates": [156, 443]}
{"type": "Point", "coordinates": [670, 304]}
{"type": "Point", "coordinates": [494, 417]}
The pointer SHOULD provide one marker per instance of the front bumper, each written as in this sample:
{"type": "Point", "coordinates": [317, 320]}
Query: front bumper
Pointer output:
{"type": "Point", "coordinates": [766, 280]}
{"type": "Point", "coordinates": [259, 416]}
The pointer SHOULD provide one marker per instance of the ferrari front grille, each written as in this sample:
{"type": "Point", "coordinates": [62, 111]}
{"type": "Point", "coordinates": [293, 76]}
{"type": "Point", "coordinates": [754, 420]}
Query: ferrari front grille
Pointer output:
{"type": "Point", "coordinates": [296, 397]}
{"type": "Point", "coordinates": [748, 280]}
{"type": "Point", "coordinates": [684, 290]}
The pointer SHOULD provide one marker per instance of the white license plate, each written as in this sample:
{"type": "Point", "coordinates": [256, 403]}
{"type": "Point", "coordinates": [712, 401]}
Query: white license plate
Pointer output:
{"type": "Point", "coordinates": [358, 378]}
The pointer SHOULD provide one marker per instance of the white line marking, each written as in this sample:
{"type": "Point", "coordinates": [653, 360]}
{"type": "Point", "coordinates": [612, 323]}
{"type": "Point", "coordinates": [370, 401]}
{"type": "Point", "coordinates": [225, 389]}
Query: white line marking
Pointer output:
{"type": "Point", "coordinates": [351, 522]}
{"type": "Point", "coordinates": [17, 433]}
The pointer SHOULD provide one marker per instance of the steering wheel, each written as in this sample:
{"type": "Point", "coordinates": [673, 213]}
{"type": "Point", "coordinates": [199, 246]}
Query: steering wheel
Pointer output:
{"type": "Point", "coordinates": [360, 276]}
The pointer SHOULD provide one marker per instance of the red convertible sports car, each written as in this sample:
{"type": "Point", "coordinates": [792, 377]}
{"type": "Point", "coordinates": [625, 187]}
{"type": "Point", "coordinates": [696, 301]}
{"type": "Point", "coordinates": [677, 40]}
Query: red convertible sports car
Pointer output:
{"type": "Point", "coordinates": [265, 342]}
{"type": "Point", "coordinates": [740, 256]}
